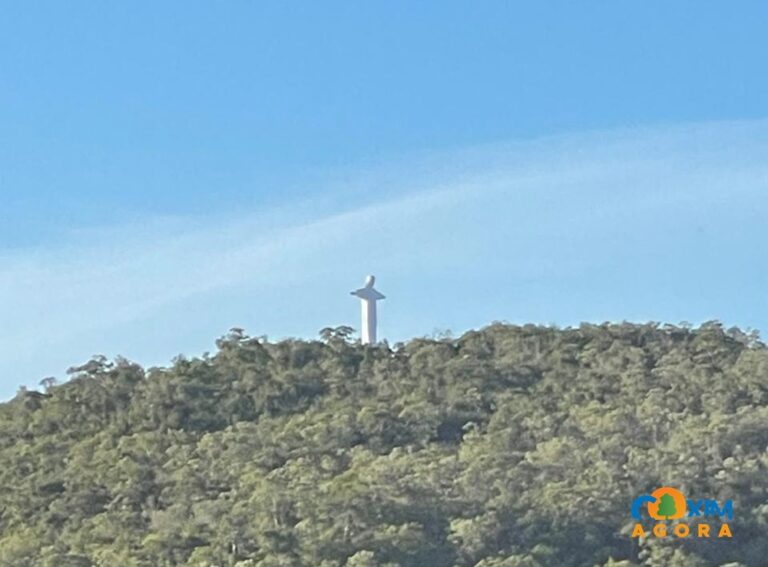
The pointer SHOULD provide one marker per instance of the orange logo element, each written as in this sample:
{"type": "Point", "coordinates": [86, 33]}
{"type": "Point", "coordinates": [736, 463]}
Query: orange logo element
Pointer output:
{"type": "Point", "coordinates": [670, 504]}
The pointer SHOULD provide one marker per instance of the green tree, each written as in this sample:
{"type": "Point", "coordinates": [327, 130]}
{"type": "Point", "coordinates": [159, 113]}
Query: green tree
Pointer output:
{"type": "Point", "coordinates": [666, 506]}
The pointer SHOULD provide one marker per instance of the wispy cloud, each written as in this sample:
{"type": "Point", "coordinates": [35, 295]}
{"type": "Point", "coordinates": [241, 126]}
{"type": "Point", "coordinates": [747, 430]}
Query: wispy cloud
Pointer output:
{"type": "Point", "coordinates": [660, 223]}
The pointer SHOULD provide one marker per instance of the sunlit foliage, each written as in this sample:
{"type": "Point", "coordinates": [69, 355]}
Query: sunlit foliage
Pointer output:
{"type": "Point", "coordinates": [507, 447]}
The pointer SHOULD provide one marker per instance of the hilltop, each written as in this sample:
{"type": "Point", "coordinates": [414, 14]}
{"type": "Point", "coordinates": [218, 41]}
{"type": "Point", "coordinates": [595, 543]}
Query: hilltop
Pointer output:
{"type": "Point", "coordinates": [508, 446]}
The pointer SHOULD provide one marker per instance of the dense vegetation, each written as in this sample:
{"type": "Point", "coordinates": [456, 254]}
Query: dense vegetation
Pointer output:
{"type": "Point", "coordinates": [509, 446]}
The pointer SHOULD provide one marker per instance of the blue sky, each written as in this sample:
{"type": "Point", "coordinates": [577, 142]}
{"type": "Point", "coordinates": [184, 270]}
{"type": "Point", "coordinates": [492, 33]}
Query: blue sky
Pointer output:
{"type": "Point", "coordinates": [170, 170]}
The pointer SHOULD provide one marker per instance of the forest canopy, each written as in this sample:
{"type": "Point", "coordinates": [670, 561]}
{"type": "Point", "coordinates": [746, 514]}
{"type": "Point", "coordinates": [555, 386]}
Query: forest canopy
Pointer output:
{"type": "Point", "coordinates": [511, 446]}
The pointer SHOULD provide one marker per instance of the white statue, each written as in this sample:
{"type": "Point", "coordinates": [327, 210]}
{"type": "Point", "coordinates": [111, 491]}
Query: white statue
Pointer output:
{"type": "Point", "coordinates": [368, 298]}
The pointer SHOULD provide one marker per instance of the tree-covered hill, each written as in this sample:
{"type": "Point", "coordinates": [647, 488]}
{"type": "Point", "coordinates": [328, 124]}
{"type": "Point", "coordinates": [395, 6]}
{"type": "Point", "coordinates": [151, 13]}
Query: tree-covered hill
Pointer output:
{"type": "Point", "coordinates": [510, 446]}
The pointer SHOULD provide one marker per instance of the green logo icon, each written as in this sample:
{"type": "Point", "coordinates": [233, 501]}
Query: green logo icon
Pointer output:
{"type": "Point", "coordinates": [666, 506]}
